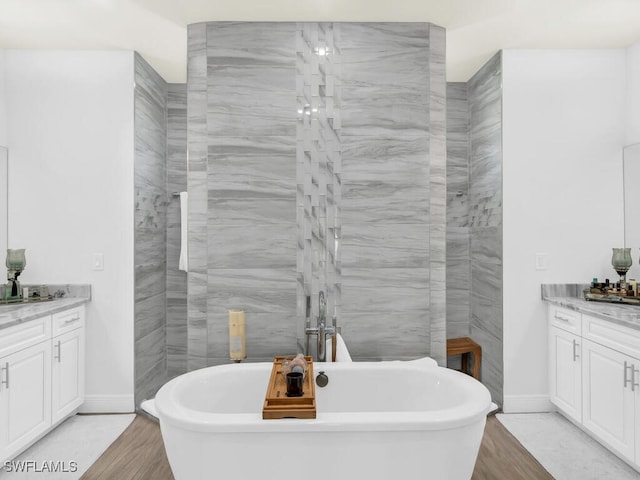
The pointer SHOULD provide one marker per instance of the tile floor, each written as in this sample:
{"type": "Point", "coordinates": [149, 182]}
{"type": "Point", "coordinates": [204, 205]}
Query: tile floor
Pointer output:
{"type": "Point", "coordinates": [81, 439]}
{"type": "Point", "coordinates": [563, 449]}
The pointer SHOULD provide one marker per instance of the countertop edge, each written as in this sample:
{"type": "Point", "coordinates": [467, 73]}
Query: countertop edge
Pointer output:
{"type": "Point", "coordinates": [39, 310]}
{"type": "Point", "coordinates": [625, 315]}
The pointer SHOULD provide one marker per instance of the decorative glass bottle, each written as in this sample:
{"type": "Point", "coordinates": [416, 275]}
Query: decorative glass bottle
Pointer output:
{"type": "Point", "coordinates": [621, 262]}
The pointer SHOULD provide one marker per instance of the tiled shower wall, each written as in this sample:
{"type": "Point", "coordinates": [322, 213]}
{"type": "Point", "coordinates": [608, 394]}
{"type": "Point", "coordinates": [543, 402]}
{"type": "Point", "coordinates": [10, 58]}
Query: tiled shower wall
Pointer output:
{"type": "Point", "coordinates": [176, 182]}
{"type": "Point", "coordinates": [150, 185]}
{"type": "Point", "coordinates": [458, 266]}
{"type": "Point", "coordinates": [375, 138]}
{"type": "Point", "coordinates": [485, 219]}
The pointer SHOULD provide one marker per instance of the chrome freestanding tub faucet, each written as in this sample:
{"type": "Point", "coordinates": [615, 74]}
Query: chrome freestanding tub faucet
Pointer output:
{"type": "Point", "coordinates": [321, 330]}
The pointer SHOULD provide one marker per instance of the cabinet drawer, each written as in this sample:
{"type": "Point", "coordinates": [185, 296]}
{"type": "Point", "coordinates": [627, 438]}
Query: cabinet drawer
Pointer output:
{"type": "Point", "coordinates": [68, 320]}
{"type": "Point", "coordinates": [568, 320]}
{"type": "Point", "coordinates": [610, 334]}
{"type": "Point", "coordinates": [24, 335]}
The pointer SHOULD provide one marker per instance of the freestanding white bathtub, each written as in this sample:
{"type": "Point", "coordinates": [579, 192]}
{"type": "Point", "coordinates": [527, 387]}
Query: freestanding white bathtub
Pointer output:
{"type": "Point", "coordinates": [382, 420]}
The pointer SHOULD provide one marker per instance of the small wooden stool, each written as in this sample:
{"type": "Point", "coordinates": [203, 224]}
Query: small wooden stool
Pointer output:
{"type": "Point", "coordinates": [464, 346]}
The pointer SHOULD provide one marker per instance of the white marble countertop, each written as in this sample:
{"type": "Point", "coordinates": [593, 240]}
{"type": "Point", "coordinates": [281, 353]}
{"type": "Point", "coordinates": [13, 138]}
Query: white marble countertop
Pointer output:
{"type": "Point", "coordinates": [70, 296]}
{"type": "Point", "coordinates": [627, 315]}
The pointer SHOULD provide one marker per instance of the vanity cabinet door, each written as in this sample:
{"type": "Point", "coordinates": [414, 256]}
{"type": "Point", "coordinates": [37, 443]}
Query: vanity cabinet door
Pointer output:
{"type": "Point", "coordinates": [565, 372]}
{"type": "Point", "coordinates": [67, 383]}
{"type": "Point", "coordinates": [25, 397]}
{"type": "Point", "coordinates": [609, 398]}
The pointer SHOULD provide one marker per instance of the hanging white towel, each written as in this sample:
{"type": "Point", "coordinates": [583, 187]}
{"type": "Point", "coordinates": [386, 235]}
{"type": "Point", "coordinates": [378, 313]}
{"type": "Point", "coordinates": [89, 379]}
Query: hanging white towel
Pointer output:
{"type": "Point", "coordinates": [183, 263]}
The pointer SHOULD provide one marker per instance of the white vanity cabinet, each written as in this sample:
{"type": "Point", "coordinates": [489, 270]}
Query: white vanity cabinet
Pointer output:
{"type": "Point", "coordinates": [25, 397]}
{"type": "Point", "coordinates": [595, 378]}
{"type": "Point", "coordinates": [610, 399]}
{"type": "Point", "coordinates": [67, 372]}
{"type": "Point", "coordinates": [565, 365]}
{"type": "Point", "coordinates": [41, 377]}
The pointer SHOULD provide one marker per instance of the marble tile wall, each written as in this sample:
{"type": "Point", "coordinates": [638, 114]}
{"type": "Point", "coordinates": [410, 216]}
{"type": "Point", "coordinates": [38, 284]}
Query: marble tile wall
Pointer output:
{"type": "Point", "coordinates": [318, 168]}
{"type": "Point", "coordinates": [150, 183]}
{"type": "Point", "coordinates": [176, 182]}
{"type": "Point", "coordinates": [485, 219]}
{"type": "Point", "coordinates": [376, 150]}
{"type": "Point", "coordinates": [197, 187]}
{"type": "Point", "coordinates": [386, 209]}
{"type": "Point", "coordinates": [458, 256]}
{"type": "Point", "coordinates": [437, 112]}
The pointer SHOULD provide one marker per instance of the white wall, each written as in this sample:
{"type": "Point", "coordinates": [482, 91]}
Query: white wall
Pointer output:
{"type": "Point", "coordinates": [633, 94]}
{"type": "Point", "coordinates": [3, 107]}
{"type": "Point", "coordinates": [563, 131]}
{"type": "Point", "coordinates": [70, 139]}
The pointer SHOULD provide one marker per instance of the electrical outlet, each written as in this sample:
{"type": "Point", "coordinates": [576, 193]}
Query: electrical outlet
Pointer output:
{"type": "Point", "coordinates": [542, 261]}
{"type": "Point", "coordinates": [98, 261]}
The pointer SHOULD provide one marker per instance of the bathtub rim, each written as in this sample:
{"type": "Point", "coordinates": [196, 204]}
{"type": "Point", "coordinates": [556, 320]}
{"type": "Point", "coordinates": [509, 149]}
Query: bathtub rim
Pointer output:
{"type": "Point", "coordinates": [473, 409]}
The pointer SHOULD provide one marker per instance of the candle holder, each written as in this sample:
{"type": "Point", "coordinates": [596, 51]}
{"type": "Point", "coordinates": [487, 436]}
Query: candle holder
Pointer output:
{"type": "Point", "coordinates": [621, 262]}
{"type": "Point", "coordinates": [15, 263]}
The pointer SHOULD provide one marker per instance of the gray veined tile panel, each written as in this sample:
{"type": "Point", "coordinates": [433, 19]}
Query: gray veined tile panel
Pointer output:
{"type": "Point", "coordinates": [253, 164]}
{"type": "Point", "coordinates": [458, 246]}
{"type": "Point", "coordinates": [150, 226]}
{"type": "Point", "coordinates": [267, 334]}
{"type": "Point", "coordinates": [249, 83]}
{"type": "Point", "coordinates": [253, 290]}
{"type": "Point", "coordinates": [383, 202]}
{"type": "Point", "coordinates": [458, 282]}
{"type": "Point", "coordinates": [197, 188]}
{"type": "Point", "coordinates": [226, 209]}
{"type": "Point", "coordinates": [253, 246]}
{"type": "Point", "coordinates": [403, 77]}
{"type": "Point", "coordinates": [382, 116]}
{"type": "Point", "coordinates": [149, 314]}
{"type": "Point", "coordinates": [486, 313]}
{"type": "Point", "coordinates": [491, 371]}
{"type": "Point", "coordinates": [379, 246]}
{"type": "Point", "coordinates": [256, 43]}
{"type": "Point", "coordinates": [236, 149]}
{"type": "Point", "coordinates": [456, 329]}
{"type": "Point", "coordinates": [400, 159]}
{"type": "Point", "coordinates": [148, 384]}
{"type": "Point", "coordinates": [150, 351]}
{"type": "Point", "coordinates": [406, 334]}
{"type": "Point", "coordinates": [150, 212]}
{"type": "Point", "coordinates": [176, 302]}
{"type": "Point", "coordinates": [149, 81]}
{"type": "Point", "coordinates": [385, 289]}
{"type": "Point", "coordinates": [262, 118]}
{"type": "Point", "coordinates": [485, 219]}
{"type": "Point", "coordinates": [149, 279]}
{"type": "Point", "coordinates": [246, 187]}
{"type": "Point", "coordinates": [381, 37]}
{"type": "Point", "coordinates": [486, 245]}
{"type": "Point", "coordinates": [437, 193]}
{"type": "Point", "coordinates": [486, 279]}
{"type": "Point", "coordinates": [151, 115]}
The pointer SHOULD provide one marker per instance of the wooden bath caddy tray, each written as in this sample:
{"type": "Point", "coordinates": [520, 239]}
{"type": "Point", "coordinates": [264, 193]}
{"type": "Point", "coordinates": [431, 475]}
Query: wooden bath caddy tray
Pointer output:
{"type": "Point", "coordinates": [276, 402]}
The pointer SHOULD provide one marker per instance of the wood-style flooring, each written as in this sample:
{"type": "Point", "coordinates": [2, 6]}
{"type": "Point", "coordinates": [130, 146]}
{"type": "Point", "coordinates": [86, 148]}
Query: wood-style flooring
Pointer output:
{"type": "Point", "coordinates": [138, 454]}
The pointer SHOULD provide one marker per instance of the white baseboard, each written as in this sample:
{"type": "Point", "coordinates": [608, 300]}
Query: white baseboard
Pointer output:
{"type": "Point", "coordinates": [527, 404]}
{"type": "Point", "coordinates": [108, 404]}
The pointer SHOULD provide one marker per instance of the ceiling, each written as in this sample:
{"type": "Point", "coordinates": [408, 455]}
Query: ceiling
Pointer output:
{"type": "Point", "coordinates": [476, 29]}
